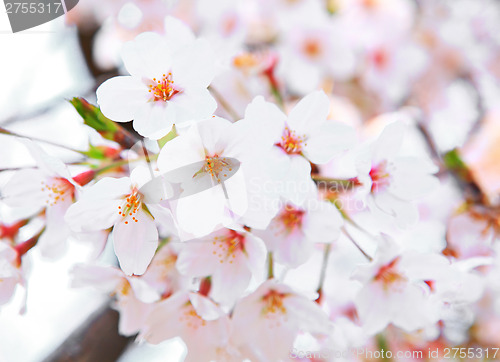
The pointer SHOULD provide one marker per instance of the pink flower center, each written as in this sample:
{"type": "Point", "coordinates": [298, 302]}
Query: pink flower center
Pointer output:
{"type": "Point", "coordinates": [190, 318]}
{"type": "Point", "coordinates": [380, 58]}
{"type": "Point", "coordinates": [291, 143]}
{"type": "Point", "coordinates": [370, 4]}
{"type": "Point", "coordinates": [388, 274]}
{"type": "Point", "coordinates": [57, 189]}
{"type": "Point", "coordinates": [381, 178]}
{"type": "Point", "coordinates": [273, 303]}
{"type": "Point", "coordinates": [228, 246]}
{"type": "Point", "coordinates": [163, 89]}
{"type": "Point", "coordinates": [291, 218]}
{"type": "Point", "coordinates": [312, 48]}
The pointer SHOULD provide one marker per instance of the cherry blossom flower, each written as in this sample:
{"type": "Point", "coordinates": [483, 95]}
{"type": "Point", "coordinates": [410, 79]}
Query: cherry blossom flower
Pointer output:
{"type": "Point", "coordinates": [205, 153]}
{"type": "Point", "coordinates": [313, 50]}
{"type": "Point", "coordinates": [266, 322]}
{"type": "Point", "coordinates": [48, 187]}
{"type": "Point", "coordinates": [292, 233]}
{"type": "Point", "coordinates": [398, 281]}
{"type": "Point", "coordinates": [201, 324]}
{"type": "Point", "coordinates": [393, 181]}
{"type": "Point", "coordinates": [230, 257]}
{"type": "Point", "coordinates": [118, 203]}
{"type": "Point", "coordinates": [304, 136]}
{"type": "Point", "coordinates": [168, 81]}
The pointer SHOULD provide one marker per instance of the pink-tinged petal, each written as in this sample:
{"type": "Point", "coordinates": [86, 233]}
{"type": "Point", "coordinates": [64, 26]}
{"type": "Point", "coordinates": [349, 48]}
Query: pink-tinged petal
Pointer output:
{"type": "Point", "coordinates": [405, 212]}
{"type": "Point", "coordinates": [230, 280]}
{"type": "Point", "coordinates": [322, 222]}
{"type": "Point", "coordinates": [7, 289]}
{"type": "Point", "coordinates": [310, 113]}
{"type": "Point", "coordinates": [154, 119]}
{"type": "Point", "coordinates": [189, 145]}
{"type": "Point", "coordinates": [163, 322]}
{"type": "Point", "coordinates": [328, 140]}
{"type": "Point", "coordinates": [308, 315]}
{"type": "Point", "coordinates": [142, 290]}
{"type": "Point", "coordinates": [135, 242]}
{"type": "Point", "coordinates": [389, 142]}
{"type": "Point", "coordinates": [105, 278]}
{"type": "Point", "coordinates": [147, 56]}
{"type": "Point", "coordinates": [193, 105]}
{"type": "Point", "coordinates": [177, 33]}
{"type": "Point", "coordinates": [25, 188]}
{"type": "Point", "coordinates": [91, 215]}
{"type": "Point", "coordinates": [255, 255]}
{"type": "Point", "coordinates": [196, 258]}
{"type": "Point", "coordinates": [133, 314]}
{"type": "Point", "coordinates": [205, 308]}
{"type": "Point", "coordinates": [194, 65]}
{"type": "Point", "coordinates": [120, 98]}
{"type": "Point", "coordinates": [52, 242]}
{"type": "Point", "coordinates": [371, 306]}
{"type": "Point", "coordinates": [297, 181]}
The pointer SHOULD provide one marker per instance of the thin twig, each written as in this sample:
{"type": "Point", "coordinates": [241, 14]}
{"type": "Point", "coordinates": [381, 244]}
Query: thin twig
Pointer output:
{"type": "Point", "coordinates": [344, 230]}
{"type": "Point", "coordinates": [10, 133]}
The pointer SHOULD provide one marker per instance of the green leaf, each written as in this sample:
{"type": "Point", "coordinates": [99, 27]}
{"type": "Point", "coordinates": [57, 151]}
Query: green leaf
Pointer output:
{"type": "Point", "coordinates": [93, 117]}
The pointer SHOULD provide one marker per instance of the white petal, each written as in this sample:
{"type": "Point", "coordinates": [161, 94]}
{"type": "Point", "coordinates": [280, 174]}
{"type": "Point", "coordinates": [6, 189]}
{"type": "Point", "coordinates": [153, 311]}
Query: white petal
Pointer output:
{"type": "Point", "coordinates": [266, 119]}
{"type": "Point", "coordinates": [194, 65]}
{"type": "Point", "coordinates": [328, 140]}
{"type": "Point", "coordinates": [177, 33]}
{"type": "Point", "coordinates": [120, 98]}
{"type": "Point", "coordinates": [196, 258]}
{"type": "Point", "coordinates": [389, 142]}
{"type": "Point", "coordinates": [135, 243]}
{"type": "Point", "coordinates": [309, 113]}
{"type": "Point", "coordinates": [322, 222]}
{"type": "Point", "coordinates": [183, 150]}
{"type": "Point", "coordinates": [50, 165]}
{"type": "Point", "coordinates": [52, 242]}
{"type": "Point", "coordinates": [193, 104]}
{"type": "Point", "coordinates": [154, 119]}
{"type": "Point", "coordinates": [25, 188]}
{"type": "Point", "coordinates": [97, 209]}
{"type": "Point", "coordinates": [147, 56]}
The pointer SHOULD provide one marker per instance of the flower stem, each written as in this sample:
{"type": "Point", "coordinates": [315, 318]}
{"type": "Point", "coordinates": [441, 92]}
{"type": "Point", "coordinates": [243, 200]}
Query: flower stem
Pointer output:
{"type": "Point", "coordinates": [326, 254]}
{"type": "Point", "coordinates": [270, 266]}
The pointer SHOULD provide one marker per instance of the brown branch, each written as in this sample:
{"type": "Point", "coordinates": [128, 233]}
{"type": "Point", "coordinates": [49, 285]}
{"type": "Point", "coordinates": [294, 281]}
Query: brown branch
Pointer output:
{"type": "Point", "coordinates": [95, 340]}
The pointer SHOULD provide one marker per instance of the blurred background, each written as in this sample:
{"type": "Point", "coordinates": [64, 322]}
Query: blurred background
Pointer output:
{"type": "Point", "coordinates": [438, 59]}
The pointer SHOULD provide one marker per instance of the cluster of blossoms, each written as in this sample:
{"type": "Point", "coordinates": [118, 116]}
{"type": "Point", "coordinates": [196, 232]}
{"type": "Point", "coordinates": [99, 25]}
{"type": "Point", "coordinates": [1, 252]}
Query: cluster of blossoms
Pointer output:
{"type": "Point", "coordinates": [305, 175]}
